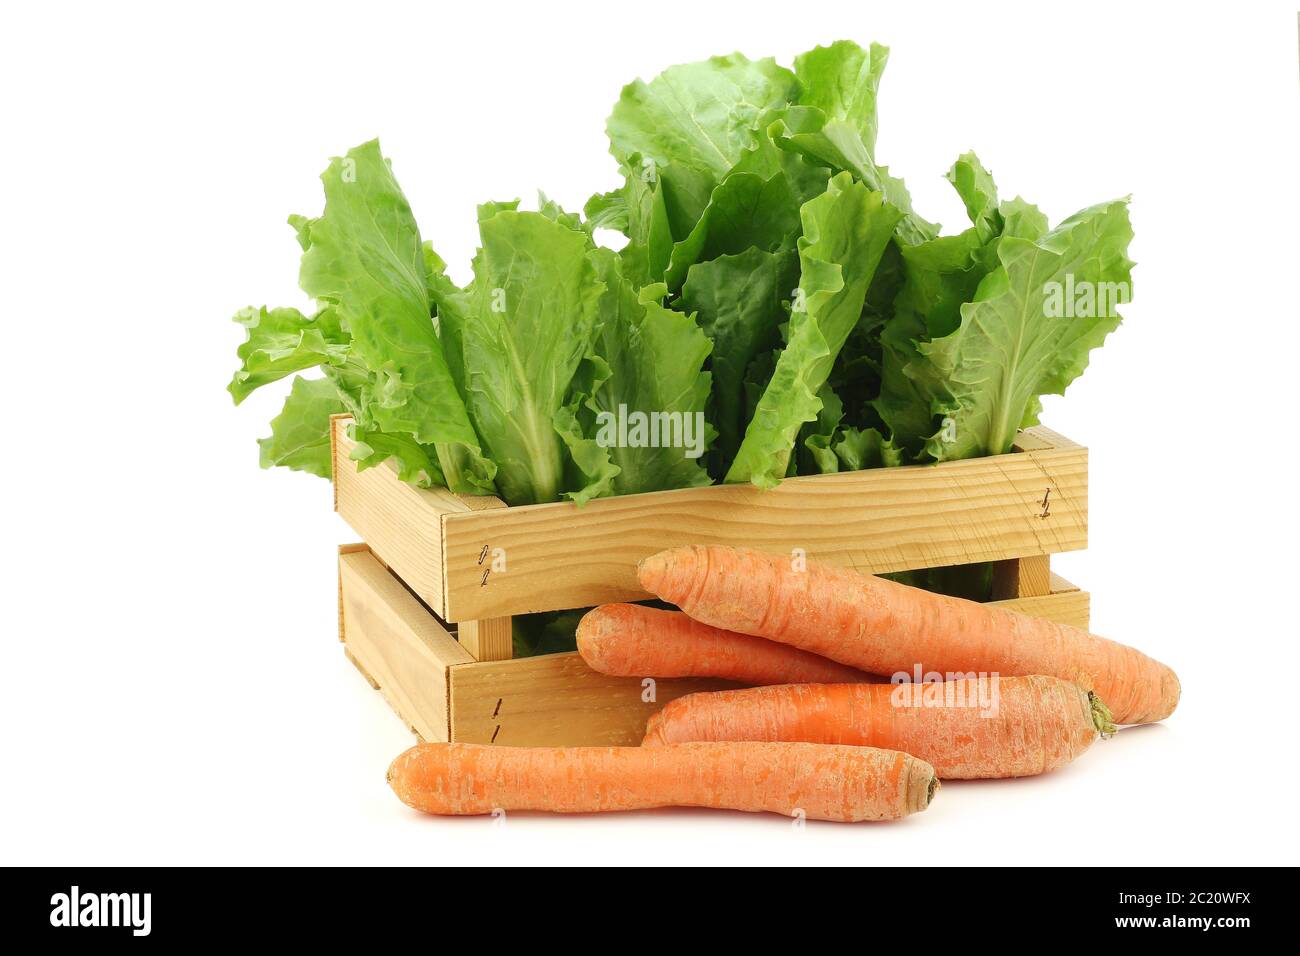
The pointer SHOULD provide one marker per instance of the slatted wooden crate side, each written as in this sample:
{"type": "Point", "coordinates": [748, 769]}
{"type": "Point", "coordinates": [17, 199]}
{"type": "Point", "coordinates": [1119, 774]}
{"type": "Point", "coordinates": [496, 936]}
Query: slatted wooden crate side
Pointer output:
{"type": "Point", "coordinates": [556, 699]}
{"type": "Point", "coordinates": [1024, 504]}
{"type": "Point", "coordinates": [400, 522]}
{"type": "Point", "coordinates": [1013, 509]}
{"type": "Point", "coordinates": [398, 645]}
{"type": "Point", "coordinates": [403, 525]}
{"type": "Point", "coordinates": [442, 693]}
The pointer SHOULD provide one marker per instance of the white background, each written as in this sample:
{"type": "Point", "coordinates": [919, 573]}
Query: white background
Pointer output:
{"type": "Point", "coordinates": [173, 690]}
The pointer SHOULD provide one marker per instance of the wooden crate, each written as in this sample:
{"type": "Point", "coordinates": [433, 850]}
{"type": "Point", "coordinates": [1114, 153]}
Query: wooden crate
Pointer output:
{"type": "Point", "coordinates": [443, 693]}
{"type": "Point", "coordinates": [425, 604]}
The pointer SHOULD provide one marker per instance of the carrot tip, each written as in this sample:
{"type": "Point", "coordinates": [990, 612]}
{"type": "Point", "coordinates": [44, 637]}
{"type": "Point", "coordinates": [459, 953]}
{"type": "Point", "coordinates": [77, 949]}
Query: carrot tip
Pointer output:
{"type": "Point", "coordinates": [1173, 689]}
{"type": "Point", "coordinates": [651, 571]}
{"type": "Point", "coordinates": [931, 790]}
{"type": "Point", "coordinates": [654, 734]}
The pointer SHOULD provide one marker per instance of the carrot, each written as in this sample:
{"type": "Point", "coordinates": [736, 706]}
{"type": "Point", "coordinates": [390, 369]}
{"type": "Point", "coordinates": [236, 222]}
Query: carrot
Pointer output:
{"type": "Point", "coordinates": [628, 640]}
{"type": "Point", "coordinates": [884, 627]}
{"type": "Point", "coordinates": [846, 784]}
{"type": "Point", "coordinates": [966, 729]}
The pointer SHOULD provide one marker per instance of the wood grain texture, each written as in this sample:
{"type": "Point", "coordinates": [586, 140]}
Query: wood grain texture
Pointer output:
{"type": "Point", "coordinates": [556, 700]}
{"type": "Point", "coordinates": [397, 644]}
{"type": "Point", "coordinates": [401, 523]}
{"type": "Point", "coordinates": [1022, 577]}
{"type": "Point", "coordinates": [352, 659]}
{"type": "Point", "coordinates": [1029, 439]}
{"type": "Point", "coordinates": [1059, 584]}
{"type": "Point", "coordinates": [1067, 606]}
{"type": "Point", "coordinates": [346, 549]}
{"type": "Point", "coordinates": [558, 555]}
{"type": "Point", "coordinates": [1029, 503]}
{"type": "Point", "coordinates": [487, 640]}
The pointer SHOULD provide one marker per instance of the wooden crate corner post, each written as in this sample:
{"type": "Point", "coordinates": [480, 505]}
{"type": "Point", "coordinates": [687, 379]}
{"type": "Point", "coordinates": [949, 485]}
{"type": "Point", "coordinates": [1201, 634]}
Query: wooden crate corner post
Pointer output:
{"type": "Point", "coordinates": [1022, 577]}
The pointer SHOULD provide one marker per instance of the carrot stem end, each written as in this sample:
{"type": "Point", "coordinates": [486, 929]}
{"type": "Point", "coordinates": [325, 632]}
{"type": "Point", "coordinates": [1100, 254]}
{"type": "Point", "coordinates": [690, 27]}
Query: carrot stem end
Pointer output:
{"type": "Point", "coordinates": [1101, 717]}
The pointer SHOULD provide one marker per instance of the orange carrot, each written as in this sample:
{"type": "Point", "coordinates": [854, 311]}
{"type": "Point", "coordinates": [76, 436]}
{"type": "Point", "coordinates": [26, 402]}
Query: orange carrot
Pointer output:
{"type": "Point", "coordinates": [883, 627]}
{"type": "Point", "coordinates": [966, 729]}
{"type": "Point", "coordinates": [628, 640]}
{"type": "Point", "coordinates": [846, 784]}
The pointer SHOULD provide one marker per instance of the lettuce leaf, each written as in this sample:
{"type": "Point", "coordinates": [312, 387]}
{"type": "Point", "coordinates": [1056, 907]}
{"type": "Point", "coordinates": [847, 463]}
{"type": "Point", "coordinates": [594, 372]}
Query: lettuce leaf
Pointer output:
{"type": "Point", "coordinates": [1010, 348]}
{"type": "Point", "coordinates": [281, 342]}
{"type": "Point", "coordinates": [806, 178]}
{"type": "Point", "coordinates": [364, 258]}
{"type": "Point", "coordinates": [738, 302]}
{"type": "Point", "coordinates": [842, 80]}
{"type": "Point", "coordinates": [530, 321]}
{"type": "Point", "coordinates": [656, 208]}
{"type": "Point", "coordinates": [861, 448]}
{"type": "Point", "coordinates": [590, 470]}
{"type": "Point", "coordinates": [939, 276]}
{"type": "Point", "coordinates": [698, 115]}
{"type": "Point", "coordinates": [745, 211]}
{"type": "Point", "coordinates": [835, 124]}
{"type": "Point", "coordinates": [415, 463]}
{"type": "Point", "coordinates": [845, 231]}
{"type": "Point", "coordinates": [300, 434]}
{"type": "Point", "coordinates": [655, 358]}
{"type": "Point", "coordinates": [816, 455]}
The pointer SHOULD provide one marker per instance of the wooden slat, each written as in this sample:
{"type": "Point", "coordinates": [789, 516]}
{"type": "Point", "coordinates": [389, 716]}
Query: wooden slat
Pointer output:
{"type": "Point", "coordinates": [397, 644]}
{"type": "Point", "coordinates": [352, 659]}
{"type": "Point", "coordinates": [886, 519]}
{"type": "Point", "coordinates": [1044, 434]}
{"type": "Point", "coordinates": [402, 524]}
{"type": "Point", "coordinates": [1035, 439]}
{"type": "Point", "coordinates": [1059, 584]}
{"type": "Point", "coordinates": [1025, 505]}
{"type": "Point", "coordinates": [555, 700]}
{"type": "Point", "coordinates": [1022, 577]}
{"type": "Point", "coordinates": [1070, 606]}
{"type": "Point", "coordinates": [486, 640]}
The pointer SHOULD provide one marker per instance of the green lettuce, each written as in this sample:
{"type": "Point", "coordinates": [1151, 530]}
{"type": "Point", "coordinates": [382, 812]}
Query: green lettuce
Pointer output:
{"type": "Point", "coordinates": [845, 231]}
{"type": "Point", "coordinates": [364, 258]}
{"type": "Point", "coordinates": [414, 462]}
{"type": "Point", "coordinates": [300, 434]}
{"type": "Point", "coordinates": [835, 123]}
{"type": "Point", "coordinates": [698, 115]}
{"type": "Point", "coordinates": [738, 301]}
{"type": "Point", "coordinates": [1010, 347]}
{"type": "Point", "coordinates": [939, 276]}
{"type": "Point", "coordinates": [744, 212]}
{"type": "Point", "coordinates": [773, 280]}
{"type": "Point", "coordinates": [283, 341]}
{"type": "Point", "coordinates": [529, 324]}
{"type": "Point", "coordinates": [654, 358]}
